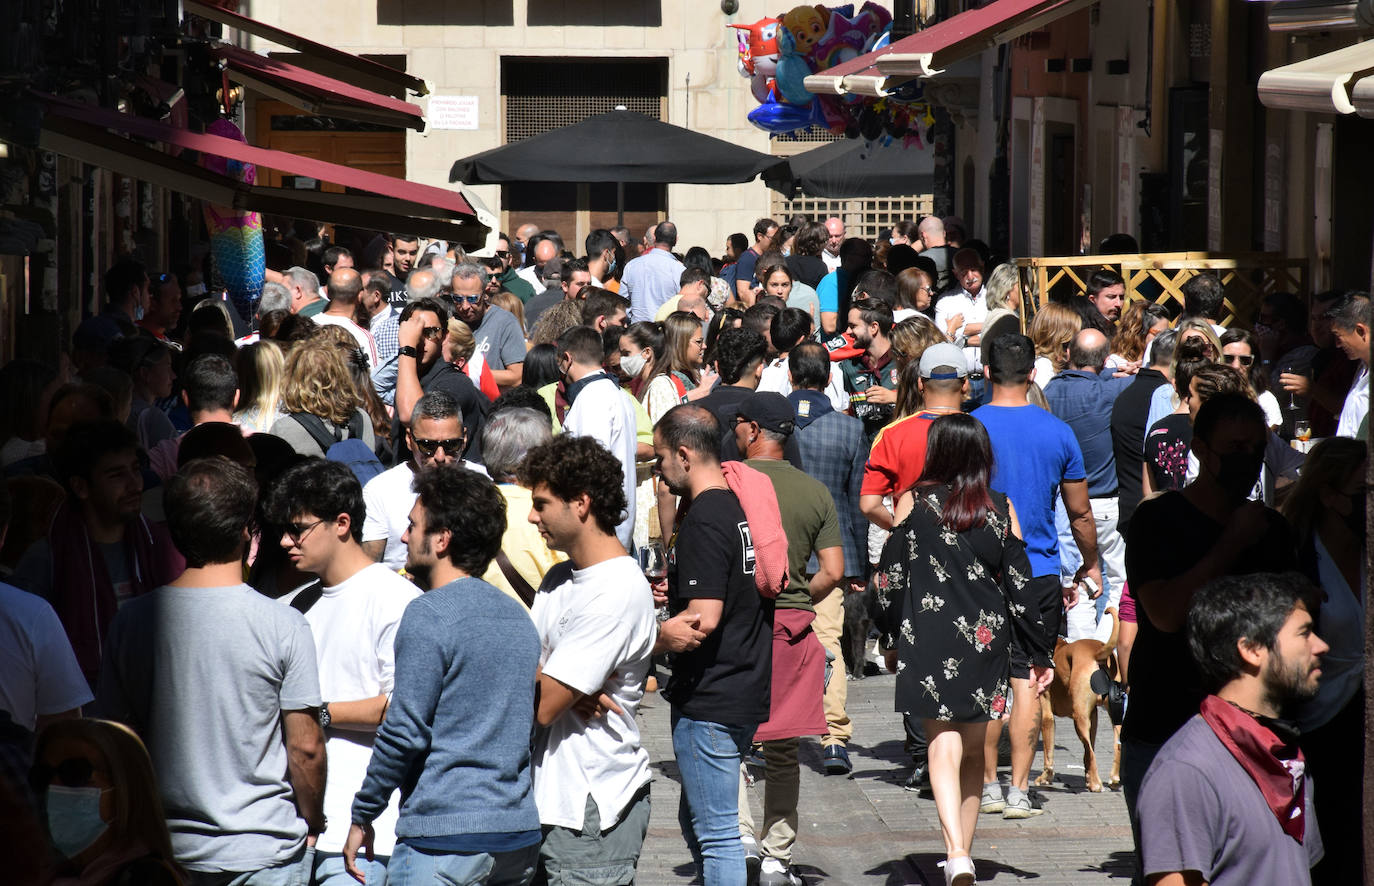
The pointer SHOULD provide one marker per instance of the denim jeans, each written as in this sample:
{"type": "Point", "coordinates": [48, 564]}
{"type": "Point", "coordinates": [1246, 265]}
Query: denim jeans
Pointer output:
{"type": "Point", "coordinates": [422, 867]}
{"type": "Point", "coordinates": [295, 872]}
{"type": "Point", "coordinates": [708, 757]}
{"type": "Point", "coordinates": [330, 870]}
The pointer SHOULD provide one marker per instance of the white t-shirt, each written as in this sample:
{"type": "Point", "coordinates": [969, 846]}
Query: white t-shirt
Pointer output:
{"type": "Point", "coordinates": [388, 499]}
{"type": "Point", "coordinates": [975, 310]}
{"type": "Point", "coordinates": [354, 624]}
{"type": "Point", "coordinates": [38, 670]}
{"type": "Point", "coordinates": [601, 412]}
{"type": "Point", "coordinates": [361, 335]}
{"type": "Point", "coordinates": [775, 378]}
{"type": "Point", "coordinates": [596, 632]}
{"type": "Point", "coordinates": [1044, 371]}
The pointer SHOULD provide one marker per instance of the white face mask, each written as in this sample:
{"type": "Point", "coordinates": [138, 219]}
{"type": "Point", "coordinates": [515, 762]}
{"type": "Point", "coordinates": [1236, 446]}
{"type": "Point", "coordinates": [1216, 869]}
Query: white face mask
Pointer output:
{"type": "Point", "coordinates": [634, 364]}
{"type": "Point", "coordinates": [195, 289]}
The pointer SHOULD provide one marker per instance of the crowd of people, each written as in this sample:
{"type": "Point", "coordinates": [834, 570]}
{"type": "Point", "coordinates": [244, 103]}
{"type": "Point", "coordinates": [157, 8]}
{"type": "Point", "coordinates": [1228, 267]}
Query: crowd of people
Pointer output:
{"type": "Point", "coordinates": [369, 586]}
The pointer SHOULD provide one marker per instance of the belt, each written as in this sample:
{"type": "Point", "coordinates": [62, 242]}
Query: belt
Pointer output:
{"type": "Point", "coordinates": [975, 374]}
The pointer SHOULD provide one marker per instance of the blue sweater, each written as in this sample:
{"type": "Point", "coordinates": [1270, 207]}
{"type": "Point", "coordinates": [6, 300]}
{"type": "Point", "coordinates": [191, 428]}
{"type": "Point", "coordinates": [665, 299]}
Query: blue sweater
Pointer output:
{"type": "Point", "coordinates": [456, 739]}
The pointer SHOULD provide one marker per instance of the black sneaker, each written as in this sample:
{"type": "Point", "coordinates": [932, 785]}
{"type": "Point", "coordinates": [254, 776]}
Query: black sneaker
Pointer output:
{"type": "Point", "coordinates": [918, 780]}
{"type": "Point", "coordinates": [836, 760]}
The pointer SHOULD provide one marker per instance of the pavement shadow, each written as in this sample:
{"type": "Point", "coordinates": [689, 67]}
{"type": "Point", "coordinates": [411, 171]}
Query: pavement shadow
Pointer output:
{"type": "Point", "coordinates": [928, 865]}
{"type": "Point", "coordinates": [1119, 865]}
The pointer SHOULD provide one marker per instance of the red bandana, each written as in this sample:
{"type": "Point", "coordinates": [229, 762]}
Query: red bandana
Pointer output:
{"type": "Point", "coordinates": [1259, 750]}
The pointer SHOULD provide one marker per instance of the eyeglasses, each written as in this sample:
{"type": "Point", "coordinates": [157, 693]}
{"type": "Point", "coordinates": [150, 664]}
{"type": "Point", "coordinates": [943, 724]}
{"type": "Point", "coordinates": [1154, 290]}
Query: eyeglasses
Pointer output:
{"type": "Point", "coordinates": [433, 333]}
{"type": "Point", "coordinates": [470, 299]}
{"type": "Point", "coordinates": [74, 772]}
{"type": "Point", "coordinates": [296, 531]}
{"type": "Point", "coordinates": [503, 253]}
{"type": "Point", "coordinates": [1242, 359]}
{"type": "Point", "coordinates": [452, 445]}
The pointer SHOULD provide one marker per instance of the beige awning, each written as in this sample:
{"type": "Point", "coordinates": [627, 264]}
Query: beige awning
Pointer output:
{"type": "Point", "coordinates": [1339, 82]}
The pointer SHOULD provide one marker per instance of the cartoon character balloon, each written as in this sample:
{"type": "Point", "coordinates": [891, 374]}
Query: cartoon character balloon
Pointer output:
{"type": "Point", "coordinates": [236, 243]}
{"type": "Point", "coordinates": [796, 44]}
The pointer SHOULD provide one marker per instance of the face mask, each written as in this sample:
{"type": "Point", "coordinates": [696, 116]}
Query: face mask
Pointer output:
{"type": "Point", "coordinates": [892, 241]}
{"type": "Point", "coordinates": [138, 312]}
{"type": "Point", "coordinates": [634, 364]}
{"type": "Point", "coordinates": [74, 820]}
{"type": "Point", "coordinates": [195, 289]}
{"type": "Point", "coordinates": [611, 266]}
{"type": "Point", "coordinates": [1238, 473]}
{"type": "Point", "coordinates": [786, 252]}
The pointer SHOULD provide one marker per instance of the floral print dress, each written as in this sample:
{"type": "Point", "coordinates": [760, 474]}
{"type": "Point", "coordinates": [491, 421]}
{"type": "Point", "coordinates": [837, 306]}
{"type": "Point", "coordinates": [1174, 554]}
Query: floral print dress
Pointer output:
{"type": "Point", "coordinates": [954, 601]}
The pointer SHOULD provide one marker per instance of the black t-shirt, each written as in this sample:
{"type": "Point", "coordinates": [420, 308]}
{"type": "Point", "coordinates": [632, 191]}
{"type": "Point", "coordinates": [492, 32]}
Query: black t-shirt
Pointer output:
{"type": "Point", "coordinates": [1129, 412]}
{"type": "Point", "coordinates": [1166, 451]}
{"type": "Point", "coordinates": [808, 269]}
{"type": "Point", "coordinates": [727, 679]}
{"type": "Point", "coordinates": [1168, 536]}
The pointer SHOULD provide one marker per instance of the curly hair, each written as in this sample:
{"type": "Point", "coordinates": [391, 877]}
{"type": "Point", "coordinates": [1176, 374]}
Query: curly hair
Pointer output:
{"type": "Point", "coordinates": [318, 382]}
{"type": "Point", "coordinates": [556, 320]}
{"type": "Point", "coordinates": [1136, 322]}
{"type": "Point", "coordinates": [571, 466]}
{"type": "Point", "coordinates": [355, 359]}
{"type": "Point", "coordinates": [469, 506]}
{"type": "Point", "coordinates": [912, 336]}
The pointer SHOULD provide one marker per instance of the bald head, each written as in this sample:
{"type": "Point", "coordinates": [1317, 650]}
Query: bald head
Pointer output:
{"type": "Point", "coordinates": [834, 234]}
{"type": "Point", "coordinates": [931, 231]}
{"type": "Point", "coordinates": [423, 283]}
{"type": "Point", "coordinates": [525, 232]}
{"type": "Point", "coordinates": [693, 303]}
{"type": "Point", "coordinates": [544, 251]}
{"type": "Point", "coordinates": [343, 287]}
{"type": "Point", "coordinates": [1089, 350]}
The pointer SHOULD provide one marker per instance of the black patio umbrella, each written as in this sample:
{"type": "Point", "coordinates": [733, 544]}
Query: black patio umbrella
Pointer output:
{"type": "Point", "coordinates": [618, 146]}
{"type": "Point", "coordinates": [856, 168]}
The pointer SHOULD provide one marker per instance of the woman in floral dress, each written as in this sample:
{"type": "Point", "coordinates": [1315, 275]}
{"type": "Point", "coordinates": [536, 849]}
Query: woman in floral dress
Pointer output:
{"type": "Point", "coordinates": [951, 599]}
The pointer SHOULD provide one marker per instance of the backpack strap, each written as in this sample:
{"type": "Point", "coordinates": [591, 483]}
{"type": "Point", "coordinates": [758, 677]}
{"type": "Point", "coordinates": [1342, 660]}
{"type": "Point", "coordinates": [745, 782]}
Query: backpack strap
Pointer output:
{"type": "Point", "coordinates": [308, 596]}
{"type": "Point", "coordinates": [517, 581]}
{"type": "Point", "coordinates": [355, 425]}
{"type": "Point", "coordinates": [315, 427]}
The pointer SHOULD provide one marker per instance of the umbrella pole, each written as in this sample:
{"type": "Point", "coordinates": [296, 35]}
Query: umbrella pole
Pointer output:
{"type": "Point", "coordinates": [620, 204]}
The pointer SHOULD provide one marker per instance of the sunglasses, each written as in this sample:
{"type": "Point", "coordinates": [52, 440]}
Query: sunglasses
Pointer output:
{"type": "Point", "coordinates": [503, 253]}
{"type": "Point", "coordinates": [433, 333]}
{"type": "Point", "coordinates": [470, 299]}
{"type": "Point", "coordinates": [1242, 359]}
{"type": "Point", "coordinates": [74, 772]}
{"type": "Point", "coordinates": [296, 531]}
{"type": "Point", "coordinates": [453, 445]}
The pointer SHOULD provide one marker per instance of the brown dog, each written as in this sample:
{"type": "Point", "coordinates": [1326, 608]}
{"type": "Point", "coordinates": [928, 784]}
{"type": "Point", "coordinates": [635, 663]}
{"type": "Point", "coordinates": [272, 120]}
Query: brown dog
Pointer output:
{"type": "Point", "coordinates": [1070, 695]}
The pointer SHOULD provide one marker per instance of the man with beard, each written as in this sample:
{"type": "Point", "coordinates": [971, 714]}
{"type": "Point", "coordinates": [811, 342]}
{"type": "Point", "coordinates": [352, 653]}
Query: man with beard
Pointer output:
{"type": "Point", "coordinates": [1226, 801]}
{"type": "Point", "coordinates": [405, 248]}
{"type": "Point", "coordinates": [467, 813]}
{"type": "Point", "coordinates": [1178, 542]}
{"type": "Point", "coordinates": [1101, 306]}
{"type": "Point", "coordinates": [871, 377]}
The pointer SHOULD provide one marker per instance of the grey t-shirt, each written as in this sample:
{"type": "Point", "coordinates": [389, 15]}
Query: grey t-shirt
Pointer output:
{"type": "Point", "coordinates": [1199, 810]}
{"type": "Point", "coordinates": [499, 338]}
{"type": "Point", "coordinates": [203, 675]}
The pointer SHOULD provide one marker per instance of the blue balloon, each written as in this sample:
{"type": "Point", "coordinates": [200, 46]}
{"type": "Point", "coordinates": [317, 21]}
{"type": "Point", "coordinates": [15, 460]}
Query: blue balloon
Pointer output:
{"type": "Point", "coordinates": [780, 119]}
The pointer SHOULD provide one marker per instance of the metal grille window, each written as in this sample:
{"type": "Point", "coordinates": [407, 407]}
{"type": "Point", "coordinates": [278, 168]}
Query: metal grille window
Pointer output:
{"type": "Point", "coordinates": [870, 219]}
{"type": "Point", "coordinates": [543, 94]}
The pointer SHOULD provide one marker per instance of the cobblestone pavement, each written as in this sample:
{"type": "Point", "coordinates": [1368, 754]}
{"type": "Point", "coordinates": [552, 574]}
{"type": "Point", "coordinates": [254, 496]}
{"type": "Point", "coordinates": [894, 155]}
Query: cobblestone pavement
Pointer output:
{"type": "Point", "coordinates": [867, 830]}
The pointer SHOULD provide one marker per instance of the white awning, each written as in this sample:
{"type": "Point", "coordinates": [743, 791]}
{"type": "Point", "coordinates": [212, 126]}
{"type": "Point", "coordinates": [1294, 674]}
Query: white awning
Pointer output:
{"type": "Point", "coordinates": [1339, 82]}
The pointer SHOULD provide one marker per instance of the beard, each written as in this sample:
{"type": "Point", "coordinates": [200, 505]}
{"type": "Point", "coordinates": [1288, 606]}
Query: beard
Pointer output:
{"type": "Point", "coordinates": [1287, 684]}
{"type": "Point", "coordinates": [421, 572]}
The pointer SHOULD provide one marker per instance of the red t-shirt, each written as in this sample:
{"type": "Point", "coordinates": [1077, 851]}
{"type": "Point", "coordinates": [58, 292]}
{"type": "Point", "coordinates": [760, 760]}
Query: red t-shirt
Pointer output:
{"type": "Point", "coordinates": [898, 455]}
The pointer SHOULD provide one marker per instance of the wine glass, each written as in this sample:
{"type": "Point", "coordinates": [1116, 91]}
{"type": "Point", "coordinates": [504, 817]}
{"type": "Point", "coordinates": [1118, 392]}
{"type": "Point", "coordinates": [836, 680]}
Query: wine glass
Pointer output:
{"type": "Point", "coordinates": [653, 561]}
{"type": "Point", "coordinates": [1302, 430]}
{"type": "Point", "coordinates": [1293, 369]}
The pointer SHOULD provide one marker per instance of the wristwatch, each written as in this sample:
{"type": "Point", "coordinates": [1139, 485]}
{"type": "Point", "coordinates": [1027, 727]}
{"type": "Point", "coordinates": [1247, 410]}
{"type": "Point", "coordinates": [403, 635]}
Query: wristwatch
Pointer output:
{"type": "Point", "coordinates": [324, 717]}
{"type": "Point", "coordinates": [408, 351]}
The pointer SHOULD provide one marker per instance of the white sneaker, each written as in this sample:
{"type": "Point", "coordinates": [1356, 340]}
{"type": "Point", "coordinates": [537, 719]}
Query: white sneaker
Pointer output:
{"type": "Point", "coordinates": [775, 873]}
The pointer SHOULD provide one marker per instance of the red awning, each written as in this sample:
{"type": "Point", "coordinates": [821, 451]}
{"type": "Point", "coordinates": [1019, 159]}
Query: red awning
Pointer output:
{"type": "Point", "coordinates": [316, 56]}
{"type": "Point", "coordinates": [315, 92]}
{"type": "Point", "coordinates": [932, 50]}
{"type": "Point", "coordinates": [95, 135]}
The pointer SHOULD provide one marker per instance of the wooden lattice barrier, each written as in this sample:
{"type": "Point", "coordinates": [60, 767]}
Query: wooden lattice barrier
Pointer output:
{"type": "Point", "coordinates": [1159, 277]}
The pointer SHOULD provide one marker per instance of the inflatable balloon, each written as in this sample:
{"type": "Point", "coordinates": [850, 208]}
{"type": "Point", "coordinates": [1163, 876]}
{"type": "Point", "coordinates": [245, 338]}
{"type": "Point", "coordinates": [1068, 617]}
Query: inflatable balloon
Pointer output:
{"type": "Point", "coordinates": [235, 236]}
{"type": "Point", "coordinates": [758, 55]}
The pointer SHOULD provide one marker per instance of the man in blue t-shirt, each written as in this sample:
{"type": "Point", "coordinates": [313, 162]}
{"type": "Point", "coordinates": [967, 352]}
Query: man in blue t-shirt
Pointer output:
{"type": "Point", "coordinates": [1036, 459]}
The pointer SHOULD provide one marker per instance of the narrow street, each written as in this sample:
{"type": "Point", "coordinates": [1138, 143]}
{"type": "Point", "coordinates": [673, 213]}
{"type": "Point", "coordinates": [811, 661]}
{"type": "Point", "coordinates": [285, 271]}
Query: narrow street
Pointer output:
{"type": "Point", "coordinates": [867, 830]}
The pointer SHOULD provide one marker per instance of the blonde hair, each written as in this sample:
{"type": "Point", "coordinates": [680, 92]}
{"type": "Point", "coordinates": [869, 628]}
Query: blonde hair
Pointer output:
{"type": "Point", "coordinates": [261, 368]}
{"type": "Point", "coordinates": [999, 286]}
{"type": "Point", "coordinates": [461, 340]}
{"type": "Point", "coordinates": [1052, 329]}
{"type": "Point", "coordinates": [318, 382]}
{"type": "Point", "coordinates": [678, 329]}
{"type": "Point", "coordinates": [511, 302]}
{"type": "Point", "coordinates": [911, 337]}
{"type": "Point", "coordinates": [138, 820]}
{"type": "Point", "coordinates": [1193, 324]}
{"type": "Point", "coordinates": [556, 320]}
